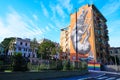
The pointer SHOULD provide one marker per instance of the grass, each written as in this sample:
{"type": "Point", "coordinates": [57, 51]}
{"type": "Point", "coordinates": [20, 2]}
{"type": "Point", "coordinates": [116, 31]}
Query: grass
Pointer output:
{"type": "Point", "coordinates": [8, 71]}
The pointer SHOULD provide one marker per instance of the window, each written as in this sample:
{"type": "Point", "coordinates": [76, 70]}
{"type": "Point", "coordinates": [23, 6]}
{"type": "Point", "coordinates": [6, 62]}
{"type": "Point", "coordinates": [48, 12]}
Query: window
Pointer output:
{"type": "Point", "coordinates": [99, 32]}
{"type": "Point", "coordinates": [116, 51]}
{"type": "Point", "coordinates": [33, 55]}
{"type": "Point", "coordinates": [24, 55]}
{"type": "Point", "coordinates": [21, 43]}
{"type": "Point", "coordinates": [29, 55]}
{"type": "Point", "coordinates": [25, 44]}
{"type": "Point", "coordinates": [99, 39]}
{"type": "Point", "coordinates": [24, 49]}
{"type": "Point", "coordinates": [19, 48]}
{"type": "Point", "coordinates": [110, 52]}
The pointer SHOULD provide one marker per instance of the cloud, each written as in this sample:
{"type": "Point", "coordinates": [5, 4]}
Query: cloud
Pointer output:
{"type": "Point", "coordinates": [35, 17]}
{"type": "Point", "coordinates": [66, 4]}
{"type": "Point", "coordinates": [114, 42]}
{"type": "Point", "coordinates": [44, 10]}
{"type": "Point", "coordinates": [80, 1]}
{"type": "Point", "coordinates": [18, 25]}
{"type": "Point", "coordinates": [111, 7]}
{"type": "Point", "coordinates": [60, 11]}
{"type": "Point", "coordinates": [53, 27]}
{"type": "Point", "coordinates": [47, 28]}
{"type": "Point", "coordinates": [114, 32]}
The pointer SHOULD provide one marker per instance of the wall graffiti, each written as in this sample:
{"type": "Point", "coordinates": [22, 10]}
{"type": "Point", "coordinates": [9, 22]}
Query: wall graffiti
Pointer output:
{"type": "Point", "coordinates": [83, 45]}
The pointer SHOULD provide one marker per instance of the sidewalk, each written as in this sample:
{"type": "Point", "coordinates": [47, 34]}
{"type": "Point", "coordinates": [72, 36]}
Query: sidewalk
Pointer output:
{"type": "Point", "coordinates": [118, 73]}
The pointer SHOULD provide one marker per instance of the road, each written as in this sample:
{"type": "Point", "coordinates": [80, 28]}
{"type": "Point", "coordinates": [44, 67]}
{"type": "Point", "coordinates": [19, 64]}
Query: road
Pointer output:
{"type": "Point", "coordinates": [95, 75]}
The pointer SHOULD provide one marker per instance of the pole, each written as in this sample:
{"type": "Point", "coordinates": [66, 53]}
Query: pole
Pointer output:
{"type": "Point", "coordinates": [116, 62]}
{"type": "Point", "coordinates": [76, 43]}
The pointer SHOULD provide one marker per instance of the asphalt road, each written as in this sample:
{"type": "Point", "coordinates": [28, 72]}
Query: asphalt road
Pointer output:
{"type": "Point", "coordinates": [95, 75]}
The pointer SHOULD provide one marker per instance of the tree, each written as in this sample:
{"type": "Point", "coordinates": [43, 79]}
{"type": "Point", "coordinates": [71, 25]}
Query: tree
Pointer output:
{"type": "Point", "coordinates": [45, 48]}
{"type": "Point", "coordinates": [34, 45]}
{"type": "Point", "coordinates": [53, 52]}
{"type": "Point", "coordinates": [19, 62]}
{"type": "Point", "coordinates": [6, 42]}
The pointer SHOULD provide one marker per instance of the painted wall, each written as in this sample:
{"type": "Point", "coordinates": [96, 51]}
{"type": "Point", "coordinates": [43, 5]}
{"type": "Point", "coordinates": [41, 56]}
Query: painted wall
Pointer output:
{"type": "Point", "coordinates": [85, 35]}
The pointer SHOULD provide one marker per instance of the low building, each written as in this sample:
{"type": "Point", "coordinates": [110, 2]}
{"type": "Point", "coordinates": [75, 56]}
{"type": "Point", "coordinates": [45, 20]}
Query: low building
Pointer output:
{"type": "Point", "coordinates": [115, 52]}
{"type": "Point", "coordinates": [22, 46]}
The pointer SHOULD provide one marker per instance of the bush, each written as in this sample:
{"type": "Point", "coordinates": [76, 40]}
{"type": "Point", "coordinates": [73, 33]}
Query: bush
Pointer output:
{"type": "Point", "coordinates": [66, 65]}
{"type": "Point", "coordinates": [59, 65]}
{"type": "Point", "coordinates": [42, 67]}
{"type": "Point", "coordinates": [19, 63]}
{"type": "Point", "coordinates": [84, 65]}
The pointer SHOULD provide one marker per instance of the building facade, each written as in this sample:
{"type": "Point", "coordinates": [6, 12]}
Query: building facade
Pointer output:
{"type": "Point", "coordinates": [64, 42]}
{"type": "Point", "coordinates": [22, 46]}
{"type": "Point", "coordinates": [88, 35]}
{"type": "Point", "coordinates": [115, 52]}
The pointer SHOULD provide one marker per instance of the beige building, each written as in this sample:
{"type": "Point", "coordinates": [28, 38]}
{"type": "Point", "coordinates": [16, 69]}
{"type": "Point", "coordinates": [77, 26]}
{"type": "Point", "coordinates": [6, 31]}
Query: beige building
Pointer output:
{"type": "Point", "coordinates": [65, 42]}
{"type": "Point", "coordinates": [115, 51]}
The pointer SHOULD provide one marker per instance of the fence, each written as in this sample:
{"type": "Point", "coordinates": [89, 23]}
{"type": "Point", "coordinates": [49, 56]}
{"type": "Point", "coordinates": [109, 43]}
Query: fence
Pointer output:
{"type": "Point", "coordinates": [112, 68]}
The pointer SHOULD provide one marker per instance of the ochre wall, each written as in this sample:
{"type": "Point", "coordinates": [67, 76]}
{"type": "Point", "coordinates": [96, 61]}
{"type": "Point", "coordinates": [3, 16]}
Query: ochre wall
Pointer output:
{"type": "Point", "coordinates": [91, 30]}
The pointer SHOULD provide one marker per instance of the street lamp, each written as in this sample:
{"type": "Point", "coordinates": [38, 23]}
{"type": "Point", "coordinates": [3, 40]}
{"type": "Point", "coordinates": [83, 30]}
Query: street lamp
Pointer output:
{"type": "Point", "coordinates": [76, 41]}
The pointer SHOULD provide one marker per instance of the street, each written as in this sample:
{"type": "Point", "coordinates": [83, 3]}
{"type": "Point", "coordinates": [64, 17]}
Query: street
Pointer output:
{"type": "Point", "coordinates": [95, 75]}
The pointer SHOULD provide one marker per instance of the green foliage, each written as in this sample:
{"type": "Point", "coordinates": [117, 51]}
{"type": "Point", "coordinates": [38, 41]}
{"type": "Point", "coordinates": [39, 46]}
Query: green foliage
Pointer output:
{"type": "Point", "coordinates": [45, 49]}
{"type": "Point", "coordinates": [53, 52]}
{"type": "Point", "coordinates": [5, 67]}
{"type": "Point", "coordinates": [52, 64]}
{"type": "Point", "coordinates": [19, 63]}
{"type": "Point", "coordinates": [32, 67]}
{"type": "Point", "coordinates": [43, 67]}
{"type": "Point", "coordinates": [59, 65]}
{"type": "Point", "coordinates": [84, 65]}
{"type": "Point", "coordinates": [66, 65]}
{"type": "Point", "coordinates": [33, 44]}
{"type": "Point", "coordinates": [6, 43]}
{"type": "Point", "coordinates": [72, 67]}
{"type": "Point", "coordinates": [37, 67]}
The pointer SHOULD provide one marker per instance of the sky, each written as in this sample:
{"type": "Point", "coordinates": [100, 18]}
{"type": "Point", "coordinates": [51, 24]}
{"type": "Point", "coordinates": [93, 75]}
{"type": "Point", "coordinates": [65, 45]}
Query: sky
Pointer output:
{"type": "Point", "coordinates": [44, 18]}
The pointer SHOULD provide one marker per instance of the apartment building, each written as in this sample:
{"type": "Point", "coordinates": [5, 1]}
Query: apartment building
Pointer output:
{"type": "Point", "coordinates": [64, 42]}
{"type": "Point", "coordinates": [22, 46]}
{"type": "Point", "coordinates": [88, 35]}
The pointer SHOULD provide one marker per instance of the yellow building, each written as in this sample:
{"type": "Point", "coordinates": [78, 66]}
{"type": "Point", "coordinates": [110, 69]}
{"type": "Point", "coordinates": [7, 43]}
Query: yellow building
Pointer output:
{"type": "Point", "coordinates": [88, 38]}
{"type": "Point", "coordinates": [65, 42]}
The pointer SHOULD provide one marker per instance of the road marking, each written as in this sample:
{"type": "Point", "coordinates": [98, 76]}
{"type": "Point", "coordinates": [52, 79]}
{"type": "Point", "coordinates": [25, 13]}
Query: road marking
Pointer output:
{"type": "Point", "coordinates": [111, 78]}
{"type": "Point", "coordinates": [118, 79]}
{"type": "Point", "coordinates": [84, 78]}
{"type": "Point", "coordinates": [102, 77]}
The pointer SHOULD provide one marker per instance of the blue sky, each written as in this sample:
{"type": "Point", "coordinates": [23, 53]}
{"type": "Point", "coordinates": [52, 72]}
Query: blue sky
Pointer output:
{"type": "Point", "coordinates": [44, 18]}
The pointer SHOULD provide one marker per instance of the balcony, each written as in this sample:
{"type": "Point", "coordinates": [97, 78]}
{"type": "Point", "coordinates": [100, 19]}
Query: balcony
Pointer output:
{"type": "Point", "coordinates": [107, 38]}
{"type": "Point", "coordinates": [106, 31]}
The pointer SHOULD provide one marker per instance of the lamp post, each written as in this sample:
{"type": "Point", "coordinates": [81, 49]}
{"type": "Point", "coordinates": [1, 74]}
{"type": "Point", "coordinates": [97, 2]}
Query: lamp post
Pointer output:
{"type": "Point", "coordinates": [76, 41]}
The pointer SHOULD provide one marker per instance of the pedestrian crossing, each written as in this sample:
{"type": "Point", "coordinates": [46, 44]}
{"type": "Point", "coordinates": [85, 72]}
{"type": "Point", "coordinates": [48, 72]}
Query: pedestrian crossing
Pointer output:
{"type": "Point", "coordinates": [107, 78]}
{"type": "Point", "coordinates": [101, 78]}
